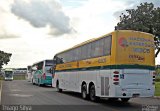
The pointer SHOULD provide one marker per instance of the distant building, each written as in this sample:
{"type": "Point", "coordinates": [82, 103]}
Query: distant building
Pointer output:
{"type": "Point", "coordinates": [20, 71]}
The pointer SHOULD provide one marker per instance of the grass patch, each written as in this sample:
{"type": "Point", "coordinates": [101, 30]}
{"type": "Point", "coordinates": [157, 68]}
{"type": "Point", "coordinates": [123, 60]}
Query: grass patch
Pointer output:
{"type": "Point", "coordinates": [157, 90]}
{"type": "Point", "coordinates": [1, 78]}
{"type": "Point", "coordinates": [158, 79]}
{"type": "Point", "coordinates": [19, 77]}
{"type": "Point", "coordinates": [15, 77]}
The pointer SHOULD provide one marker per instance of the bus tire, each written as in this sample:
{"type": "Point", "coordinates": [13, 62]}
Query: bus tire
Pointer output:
{"type": "Point", "coordinates": [57, 86]}
{"type": "Point", "coordinates": [92, 93]}
{"type": "Point", "coordinates": [125, 100]}
{"type": "Point", "coordinates": [33, 82]}
{"type": "Point", "coordinates": [39, 84]}
{"type": "Point", "coordinates": [84, 91]}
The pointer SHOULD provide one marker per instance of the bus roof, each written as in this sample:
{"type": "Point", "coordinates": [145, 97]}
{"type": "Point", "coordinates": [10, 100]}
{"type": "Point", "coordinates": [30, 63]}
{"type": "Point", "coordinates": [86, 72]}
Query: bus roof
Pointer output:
{"type": "Point", "coordinates": [94, 39]}
{"type": "Point", "coordinates": [85, 42]}
{"type": "Point", "coordinates": [8, 69]}
{"type": "Point", "coordinates": [42, 61]}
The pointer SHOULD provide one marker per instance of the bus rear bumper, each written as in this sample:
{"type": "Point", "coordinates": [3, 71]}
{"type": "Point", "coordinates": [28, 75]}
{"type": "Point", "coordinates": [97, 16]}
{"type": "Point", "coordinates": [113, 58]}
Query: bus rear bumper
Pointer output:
{"type": "Point", "coordinates": [134, 93]}
{"type": "Point", "coordinates": [47, 82]}
{"type": "Point", "coordinates": [8, 79]}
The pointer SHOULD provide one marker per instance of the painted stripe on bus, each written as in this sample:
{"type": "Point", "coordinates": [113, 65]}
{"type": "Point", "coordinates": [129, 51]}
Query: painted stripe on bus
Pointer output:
{"type": "Point", "coordinates": [110, 67]}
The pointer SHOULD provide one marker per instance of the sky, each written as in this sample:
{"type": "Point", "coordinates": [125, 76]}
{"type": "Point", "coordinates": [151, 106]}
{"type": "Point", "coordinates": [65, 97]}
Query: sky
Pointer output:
{"type": "Point", "coordinates": [35, 30]}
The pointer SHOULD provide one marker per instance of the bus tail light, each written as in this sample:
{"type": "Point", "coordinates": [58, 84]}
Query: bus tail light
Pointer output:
{"type": "Point", "coordinates": [154, 75]}
{"type": "Point", "coordinates": [116, 78]}
{"type": "Point", "coordinates": [44, 76]}
{"type": "Point", "coordinates": [116, 72]}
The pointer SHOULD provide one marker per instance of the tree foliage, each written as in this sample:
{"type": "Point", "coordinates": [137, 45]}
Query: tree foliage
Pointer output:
{"type": "Point", "coordinates": [144, 18]}
{"type": "Point", "coordinates": [4, 58]}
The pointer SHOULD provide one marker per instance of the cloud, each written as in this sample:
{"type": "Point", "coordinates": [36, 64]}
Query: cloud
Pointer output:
{"type": "Point", "coordinates": [73, 3]}
{"type": "Point", "coordinates": [5, 32]}
{"type": "Point", "coordinates": [43, 13]}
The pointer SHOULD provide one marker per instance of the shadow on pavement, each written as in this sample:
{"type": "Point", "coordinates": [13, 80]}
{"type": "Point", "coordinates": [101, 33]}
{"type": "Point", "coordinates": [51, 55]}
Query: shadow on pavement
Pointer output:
{"type": "Point", "coordinates": [115, 104]}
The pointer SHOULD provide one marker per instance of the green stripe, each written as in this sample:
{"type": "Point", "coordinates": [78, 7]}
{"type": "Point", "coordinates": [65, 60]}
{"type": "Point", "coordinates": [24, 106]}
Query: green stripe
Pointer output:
{"type": "Point", "coordinates": [110, 67]}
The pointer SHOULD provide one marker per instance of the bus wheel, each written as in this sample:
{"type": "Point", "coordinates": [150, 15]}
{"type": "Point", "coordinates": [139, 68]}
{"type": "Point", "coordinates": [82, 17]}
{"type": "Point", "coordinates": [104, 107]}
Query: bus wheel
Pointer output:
{"type": "Point", "coordinates": [92, 94]}
{"type": "Point", "coordinates": [33, 82]}
{"type": "Point", "coordinates": [39, 84]}
{"type": "Point", "coordinates": [125, 99]}
{"type": "Point", "coordinates": [84, 91]}
{"type": "Point", "coordinates": [57, 86]}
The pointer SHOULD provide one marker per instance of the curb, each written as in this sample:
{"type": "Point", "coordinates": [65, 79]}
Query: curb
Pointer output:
{"type": "Point", "coordinates": [156, 97]}
{"type": "Point", "coordinates": [0, 91]}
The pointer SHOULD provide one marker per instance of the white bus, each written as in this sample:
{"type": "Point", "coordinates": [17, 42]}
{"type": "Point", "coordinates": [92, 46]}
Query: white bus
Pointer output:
{"type": "Point", "coordinates": [118, 65]}
{"type": "Point", "coordinates": [8, 74]}
{"type": "Point", "coordinates": [41, 73]}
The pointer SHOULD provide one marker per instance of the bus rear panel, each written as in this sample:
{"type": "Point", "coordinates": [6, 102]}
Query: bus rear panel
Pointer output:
{"type": "Point", "coordinates": [134, 63]}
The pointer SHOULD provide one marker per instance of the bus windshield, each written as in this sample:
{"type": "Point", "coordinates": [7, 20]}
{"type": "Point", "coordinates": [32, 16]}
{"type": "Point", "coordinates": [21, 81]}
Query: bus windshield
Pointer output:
{"type": "Point", "coordinates": [8, 73]}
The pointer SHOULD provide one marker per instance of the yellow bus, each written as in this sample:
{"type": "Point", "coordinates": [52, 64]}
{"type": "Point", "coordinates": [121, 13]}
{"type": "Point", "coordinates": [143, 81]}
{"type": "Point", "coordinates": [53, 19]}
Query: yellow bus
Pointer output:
{"type": "Point", "coordinates": [118, 65]}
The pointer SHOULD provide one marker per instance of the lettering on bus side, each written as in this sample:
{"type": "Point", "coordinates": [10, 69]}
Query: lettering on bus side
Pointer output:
{"type": "Point", "coordinates": [136, 41]}
{"type": "Point", "coordinates": [65, 66]}
{"type": "Point", "coordinates": [61, 66]}
{"type": "Point", "coordinates": [102, 60]}
{"type": "Point", "coordinates": [140, 58]}
{"type": "Point", "coordinates": [141, 50]}
{"type": "Point", "coordinates": [68, 65]}
{"type": "Point", "coordinates": [88, 62]}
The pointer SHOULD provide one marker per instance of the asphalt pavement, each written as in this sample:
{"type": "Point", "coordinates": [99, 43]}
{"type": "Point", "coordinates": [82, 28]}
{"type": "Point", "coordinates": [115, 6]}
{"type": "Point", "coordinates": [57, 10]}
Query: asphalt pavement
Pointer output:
{"type": "Point", "coordinates": [24, 96]}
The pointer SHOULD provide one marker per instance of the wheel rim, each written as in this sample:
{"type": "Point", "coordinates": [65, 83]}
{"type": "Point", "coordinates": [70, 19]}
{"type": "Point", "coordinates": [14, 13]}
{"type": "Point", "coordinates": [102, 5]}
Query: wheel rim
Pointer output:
{"type": "Point", "coordinates": [57, 87]}
{"type": "Point", "coordinates": [84, 93]}
{"type": "Point", "coordinates": [92, 93]}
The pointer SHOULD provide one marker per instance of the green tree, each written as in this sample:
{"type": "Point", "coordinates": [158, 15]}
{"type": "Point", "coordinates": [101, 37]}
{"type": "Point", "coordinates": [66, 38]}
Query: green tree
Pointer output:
{"type": "Point", "coordinates": [144, 18]}
{"type": "Point", "coordinates": [4, 58]}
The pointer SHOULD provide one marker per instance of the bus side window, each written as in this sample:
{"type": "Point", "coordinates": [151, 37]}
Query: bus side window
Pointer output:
{"type": "Point", "coordinates": [107, 45]}
{"type": "Point", "coordinates": [59, 60]}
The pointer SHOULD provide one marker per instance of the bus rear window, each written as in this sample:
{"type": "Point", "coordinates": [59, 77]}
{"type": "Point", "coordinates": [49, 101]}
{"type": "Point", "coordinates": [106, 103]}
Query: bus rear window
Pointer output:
{"type": "Point", "coordinates": [49, 63]}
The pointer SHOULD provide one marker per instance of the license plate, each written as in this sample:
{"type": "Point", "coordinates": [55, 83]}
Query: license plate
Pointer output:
{"type": "Point", "coordinates": [135, 95]}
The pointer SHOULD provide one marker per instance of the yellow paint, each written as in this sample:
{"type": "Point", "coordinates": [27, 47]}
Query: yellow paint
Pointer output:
{"type": "Point", "coordinates": [128, 47]}
{"type": "Point", "coordinates": [100, 61]}
{"type": "Point", "coordinates": [70, 65]}
{"type": "Point", "coordinates": [134, 48]}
